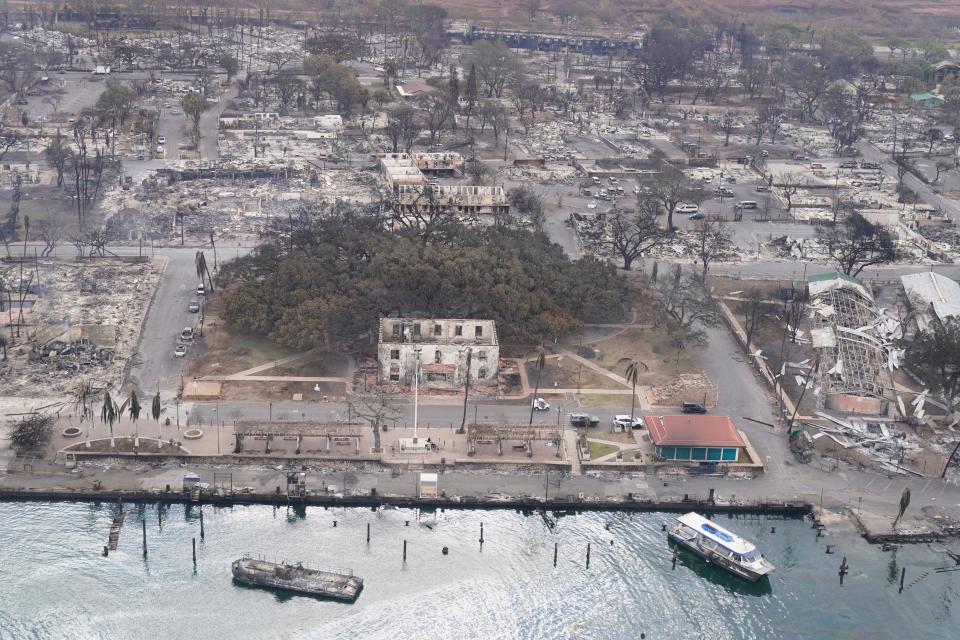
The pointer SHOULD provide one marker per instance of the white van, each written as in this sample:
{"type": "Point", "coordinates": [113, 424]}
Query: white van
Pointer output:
{"type": "Point", "coordinates": [747, 204]}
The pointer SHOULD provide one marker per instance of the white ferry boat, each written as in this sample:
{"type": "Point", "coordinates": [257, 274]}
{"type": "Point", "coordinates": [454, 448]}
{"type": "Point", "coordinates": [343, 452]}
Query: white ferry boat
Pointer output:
{"type": "Point", "coordinates": [720, 547]}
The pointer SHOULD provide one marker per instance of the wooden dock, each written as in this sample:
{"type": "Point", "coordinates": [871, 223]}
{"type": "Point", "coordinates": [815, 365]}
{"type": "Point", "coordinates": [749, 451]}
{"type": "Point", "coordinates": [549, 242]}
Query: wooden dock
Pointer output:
{"type": "Point", "coordinates": [115, 530]}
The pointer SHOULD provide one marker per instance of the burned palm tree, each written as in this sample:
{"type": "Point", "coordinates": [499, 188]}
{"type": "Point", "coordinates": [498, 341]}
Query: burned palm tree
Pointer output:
{"type": "Point", "coordinates": [466, 391]}
{"type": "Point", "coordinates": [81, 403]}
{"type": "Point", "coordinates": [541, 362]}
{"type": "Point", "coordinates": [155, 412]}
{"type": "Point", "coordinates": [213, 244]}
{"type": "Point", "coordinates": [633, 370]}
{"type": "Point", "coordinates": [26, 233]}
{"type": "Point", "coordinates": [904, 503]}
{"type": "Point", "coordinates": [203, 271]}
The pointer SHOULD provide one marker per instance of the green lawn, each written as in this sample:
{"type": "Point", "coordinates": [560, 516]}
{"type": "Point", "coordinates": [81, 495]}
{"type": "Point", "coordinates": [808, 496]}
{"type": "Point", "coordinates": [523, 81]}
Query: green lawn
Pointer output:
{"type": "Point", "coordinates": [599, 449]}
{"type": "Point", "coordinates": [261, 349]}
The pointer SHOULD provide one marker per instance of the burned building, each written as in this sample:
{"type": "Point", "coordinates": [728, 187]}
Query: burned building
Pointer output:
{"type": "Point", "coordinates": [933, 298]}
{"type": "Point", "coordinates": [446, 163]}
{"type": "Point", "coordinates": [441, 347]}
{"type": "Point", "coordinates": [398, 169]}
{"type": "Point", "coordinates": [404, 175]}
{"type": "Point", "coordinates": [469, 200]}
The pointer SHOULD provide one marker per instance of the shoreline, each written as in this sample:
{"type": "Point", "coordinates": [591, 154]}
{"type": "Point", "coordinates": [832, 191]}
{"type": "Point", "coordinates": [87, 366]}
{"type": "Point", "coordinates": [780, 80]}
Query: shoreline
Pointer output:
{"type": "Point", "coordinates": [787, 508]}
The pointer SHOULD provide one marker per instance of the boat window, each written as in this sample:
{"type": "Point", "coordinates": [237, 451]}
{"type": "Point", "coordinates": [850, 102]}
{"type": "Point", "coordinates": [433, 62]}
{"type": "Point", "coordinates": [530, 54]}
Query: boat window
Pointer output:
{"type": "Point", "coordinates": [753, 555]}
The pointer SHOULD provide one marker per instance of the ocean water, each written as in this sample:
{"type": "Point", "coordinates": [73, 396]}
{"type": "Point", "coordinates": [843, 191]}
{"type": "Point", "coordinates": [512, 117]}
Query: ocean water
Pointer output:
{"type": "Point", "coordinates": [56, 584]}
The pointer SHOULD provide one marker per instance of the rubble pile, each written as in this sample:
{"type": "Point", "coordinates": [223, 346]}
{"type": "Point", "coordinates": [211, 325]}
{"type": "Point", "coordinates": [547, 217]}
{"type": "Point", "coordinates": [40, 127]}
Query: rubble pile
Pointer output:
{"type": "Point", "coordinates": [684, 387]}
{"type": "Point", "coordinates": [228, 207]}
{"type": "Point", "coordinates": [548, 140]}
{"type": "Point", "coordinates": [946, 237]}
{"type": "Point", "coordinates": [550, 173]}
{"type": "Point", "coordinates": [79, 319]}
{"type": "Point", "coordinates": [875, 440]}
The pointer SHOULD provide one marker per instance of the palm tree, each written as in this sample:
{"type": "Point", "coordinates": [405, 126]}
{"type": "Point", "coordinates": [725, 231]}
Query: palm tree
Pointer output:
{"type": "Point", "coordinates": [541, 361]}
{"type": "Point", "coordinates": [214, 245]}
{"type": "Point", "coordinates": [26, 233]}
{"type": "Point", "coordinates": [466, 391]}
{"type": "Point", "coordinates": [134, 407]}
{"type": "Point", "coordinates": [109, 414]}
{"type": "Point", "coordinates": [155, 412]}
{"type": "Point", "coordinates": [203, 271]}
{"type": "Point", "coordinates": [633, 370]}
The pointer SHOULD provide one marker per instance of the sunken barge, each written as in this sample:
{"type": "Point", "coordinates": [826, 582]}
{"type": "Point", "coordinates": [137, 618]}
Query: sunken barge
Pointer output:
{"type": "Point", "coordinates": [335, 585]}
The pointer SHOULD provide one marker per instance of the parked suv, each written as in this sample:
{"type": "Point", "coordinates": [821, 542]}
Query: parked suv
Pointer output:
{"type": "Point", "coordinates": [623, 422]}
{"type": "Point", "coordinates": [692, 407]}
{"type": "Point", "coordinates": [583, 420]}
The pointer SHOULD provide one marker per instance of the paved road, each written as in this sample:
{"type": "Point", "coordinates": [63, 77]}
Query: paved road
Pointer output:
{"type": "Point", "coordinates": [168, 315]}
{"type": "Point", "coordinates": [430, 414]}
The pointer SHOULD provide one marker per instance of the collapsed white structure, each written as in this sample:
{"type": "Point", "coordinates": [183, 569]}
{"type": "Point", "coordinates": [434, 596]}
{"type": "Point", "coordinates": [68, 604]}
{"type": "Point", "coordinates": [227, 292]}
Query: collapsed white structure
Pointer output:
{"type": "Point", "coordinates": [933, 297]}
{"type": "Point", "coordinates": [852, 340]}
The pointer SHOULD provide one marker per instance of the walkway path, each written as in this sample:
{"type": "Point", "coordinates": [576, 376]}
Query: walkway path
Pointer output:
{"type": "Point", "coordinates": [570, 443]}
{"type": "Point", "coordinates": [268, 365]}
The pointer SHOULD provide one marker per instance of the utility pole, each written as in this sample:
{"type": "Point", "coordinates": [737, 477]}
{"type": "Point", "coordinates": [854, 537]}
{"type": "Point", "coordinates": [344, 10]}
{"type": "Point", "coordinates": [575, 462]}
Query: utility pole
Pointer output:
{"type": "Point", "coordinates": [416, 391]}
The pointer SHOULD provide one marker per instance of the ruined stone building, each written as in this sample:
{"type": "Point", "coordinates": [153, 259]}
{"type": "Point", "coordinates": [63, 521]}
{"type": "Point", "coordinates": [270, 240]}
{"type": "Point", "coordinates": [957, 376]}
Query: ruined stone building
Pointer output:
{"type": "Point", "coordinates": [441, 346]}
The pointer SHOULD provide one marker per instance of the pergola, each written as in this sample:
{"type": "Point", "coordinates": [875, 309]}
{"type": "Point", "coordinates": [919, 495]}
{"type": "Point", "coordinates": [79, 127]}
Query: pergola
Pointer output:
{"type": "Point", "coordinates": [491, 433]}
{"type": "Point", "coordinates": [333, 432]}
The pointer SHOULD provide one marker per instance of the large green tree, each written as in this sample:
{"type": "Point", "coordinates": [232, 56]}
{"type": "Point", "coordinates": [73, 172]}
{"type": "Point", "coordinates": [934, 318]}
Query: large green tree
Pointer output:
{"type": "Point", "coordinates": [327, 281]}
{"type": "Point", "coordinates": [194, 105]}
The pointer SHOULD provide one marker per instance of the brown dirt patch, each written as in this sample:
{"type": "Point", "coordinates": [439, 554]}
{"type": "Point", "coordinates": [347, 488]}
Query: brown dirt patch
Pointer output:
{"type": "Point", "coordinates": [568, 374]}
{"type": "Point", "coordinates": [687, 387]}
{"type": "Point", "coordinates": [279, 391]}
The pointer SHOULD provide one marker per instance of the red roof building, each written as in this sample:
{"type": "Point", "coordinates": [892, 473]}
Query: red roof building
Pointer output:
{"type": "Point", "coordinates": [697, 438]}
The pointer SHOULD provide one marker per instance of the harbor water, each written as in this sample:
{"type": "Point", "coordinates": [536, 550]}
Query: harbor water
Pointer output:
{"type": "Point", "coordinates": [57, 584]}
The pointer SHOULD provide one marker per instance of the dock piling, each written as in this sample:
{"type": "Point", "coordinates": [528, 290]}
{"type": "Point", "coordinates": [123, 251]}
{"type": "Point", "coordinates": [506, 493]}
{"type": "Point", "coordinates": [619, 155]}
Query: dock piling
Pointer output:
{"type": "Point", "coordinates": [368, 533]}
{"type": "Point", "coordinates": [844, 569]}
{"type": "Point", "coordinates": [588, 555]}
{"type": "Point", "coordinates": [144, 522]}
{"type": "Point", "coordinates": [202, 534]}
{"type": "Point", "coordinates": [481, 535]}
{"type": "Point", "coordinates": [903, 574]}
{"type": "Point", "coordinates": [674, 558]}
{"type": "Point", "coordinates": [555, 554]}
{"type": "Point", "coordinates": [194, 541]}
{"type": "Point", "coordinates": [404, 550]}
{"type": "Point", "coordinates": [106, 551]}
